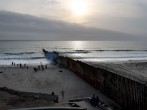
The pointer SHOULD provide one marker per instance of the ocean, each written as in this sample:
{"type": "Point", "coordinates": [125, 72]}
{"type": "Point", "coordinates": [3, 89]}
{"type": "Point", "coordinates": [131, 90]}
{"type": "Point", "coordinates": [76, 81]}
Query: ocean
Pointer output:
{"type": "Point", "coordinates": [30, 52]}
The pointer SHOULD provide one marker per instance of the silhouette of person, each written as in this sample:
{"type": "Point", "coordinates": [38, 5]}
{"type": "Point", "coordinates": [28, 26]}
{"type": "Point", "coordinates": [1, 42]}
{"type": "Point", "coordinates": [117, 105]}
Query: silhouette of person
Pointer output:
{"type": "Point", "coordinates": [53, 93]}
{"type": "Point", "coordinates": [62, 93]}
{"type": "Point", "coordinates": [20, 65]}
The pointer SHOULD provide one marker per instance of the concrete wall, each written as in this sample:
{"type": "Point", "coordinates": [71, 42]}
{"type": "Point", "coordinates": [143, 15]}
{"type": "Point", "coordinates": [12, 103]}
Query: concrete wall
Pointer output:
{"type": "Point", "coordinates": [131, 95]}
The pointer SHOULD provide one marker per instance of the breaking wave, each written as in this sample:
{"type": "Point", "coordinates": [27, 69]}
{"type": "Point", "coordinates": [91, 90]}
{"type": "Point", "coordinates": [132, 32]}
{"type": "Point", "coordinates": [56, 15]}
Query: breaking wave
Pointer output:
{"type": "Point", "coordinates": [31, 58]}
{"type": "Point", "coordinates": [21, 53]}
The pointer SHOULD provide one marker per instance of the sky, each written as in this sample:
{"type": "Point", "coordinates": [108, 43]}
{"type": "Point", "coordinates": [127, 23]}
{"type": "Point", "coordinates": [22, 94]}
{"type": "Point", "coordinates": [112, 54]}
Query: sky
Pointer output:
{"type": "Point", "coordinates": [73, 19]}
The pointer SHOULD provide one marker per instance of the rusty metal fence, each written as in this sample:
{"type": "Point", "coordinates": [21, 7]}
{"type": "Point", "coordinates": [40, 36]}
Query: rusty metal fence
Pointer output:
{"type": "Point", "coordinates": [130, 94]}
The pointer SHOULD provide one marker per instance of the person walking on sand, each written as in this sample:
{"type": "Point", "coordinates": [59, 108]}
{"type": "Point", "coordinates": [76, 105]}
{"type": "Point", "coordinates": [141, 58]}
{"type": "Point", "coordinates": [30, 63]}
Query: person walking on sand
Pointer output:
{"type": "Point", "coordinates": [45, 66]}
{"type": "Point", "coordinates": [62, 93]}
{"type": "Point", "coordinates": [24, 65]}
{"type": "Point", "coordinates": [62, 96]}
{"type": "Point", "coordinates": [20, 65]}
{"type": "Point", "coordinates": [38, 67]}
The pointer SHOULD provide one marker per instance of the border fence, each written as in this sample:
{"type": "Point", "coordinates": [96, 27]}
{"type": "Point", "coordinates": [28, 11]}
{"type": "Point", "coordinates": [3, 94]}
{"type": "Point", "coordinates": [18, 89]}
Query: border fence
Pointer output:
{"type": "Point", "coordinates": [130, 94]}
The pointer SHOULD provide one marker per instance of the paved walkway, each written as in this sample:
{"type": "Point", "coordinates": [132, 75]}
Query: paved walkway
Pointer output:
{"type": "Point", "coordinates": [88, 106]}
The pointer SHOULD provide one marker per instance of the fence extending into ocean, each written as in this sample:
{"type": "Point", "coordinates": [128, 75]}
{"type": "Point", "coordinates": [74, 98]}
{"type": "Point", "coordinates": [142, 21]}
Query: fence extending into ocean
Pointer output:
{"type": "Point", "coordinates": [129, 93]}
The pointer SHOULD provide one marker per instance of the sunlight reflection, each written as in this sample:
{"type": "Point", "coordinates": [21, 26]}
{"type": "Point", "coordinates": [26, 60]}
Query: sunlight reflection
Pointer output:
{"type": "Point", "coordinates": [77, 45]}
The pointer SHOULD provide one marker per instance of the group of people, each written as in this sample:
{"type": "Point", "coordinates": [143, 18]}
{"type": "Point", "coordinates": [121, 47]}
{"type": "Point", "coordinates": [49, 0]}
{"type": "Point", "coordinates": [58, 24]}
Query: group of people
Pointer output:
{"type": "Point", "coordinates": [40, 67]}
{"type": "Point", "coordinates": [94, 100]}
{"type": "Point", "coordinates": [20, 65]}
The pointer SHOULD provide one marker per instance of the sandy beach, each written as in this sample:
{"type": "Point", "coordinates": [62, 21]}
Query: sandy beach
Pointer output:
{"type": "Point", "coordinates": [53, 79]}
{"type": "Point", "coordinates": [135, 70]}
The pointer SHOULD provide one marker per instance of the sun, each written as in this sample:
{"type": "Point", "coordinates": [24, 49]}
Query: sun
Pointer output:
{"type": "Point", "coordinates": [79, 7]}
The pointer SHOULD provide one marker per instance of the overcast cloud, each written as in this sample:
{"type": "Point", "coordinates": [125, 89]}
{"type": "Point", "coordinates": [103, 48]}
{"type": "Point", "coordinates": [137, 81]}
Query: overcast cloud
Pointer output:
{"type": "Point", "coordinates": [23, 27]}
{"type": "Point", "coordinates": [104, 20]}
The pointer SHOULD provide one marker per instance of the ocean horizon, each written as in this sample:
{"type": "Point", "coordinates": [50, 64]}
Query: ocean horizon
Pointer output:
{"type": "Point", "coordinates": [30, 52]}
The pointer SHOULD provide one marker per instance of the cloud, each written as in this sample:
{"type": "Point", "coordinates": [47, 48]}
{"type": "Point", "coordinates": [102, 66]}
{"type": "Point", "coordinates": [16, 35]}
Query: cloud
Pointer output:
{"type": "Point", "coordinates": [14, 26]}
{"type": "Point", "coordinates": [128, 16]}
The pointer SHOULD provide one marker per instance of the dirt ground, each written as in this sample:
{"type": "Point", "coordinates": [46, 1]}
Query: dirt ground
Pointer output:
{"type": "Point", "coordinates": [11, 101]}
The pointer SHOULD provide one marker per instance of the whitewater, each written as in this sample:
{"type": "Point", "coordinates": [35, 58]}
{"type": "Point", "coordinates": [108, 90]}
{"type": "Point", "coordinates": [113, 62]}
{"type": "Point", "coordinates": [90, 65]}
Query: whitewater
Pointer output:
{"type": "Point", "coordinates": [30, 52]}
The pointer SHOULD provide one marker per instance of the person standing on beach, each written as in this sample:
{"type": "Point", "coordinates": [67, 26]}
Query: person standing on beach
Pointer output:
{"type": "Point", "coordinates": [53, 93]}
{"type": "Point", "coordinates": [62, 93]}
{"type": "Point", "coordinates": [45, 66]}
{"type": "Point", "coordinates": [20, 65]}
{"type": "Point", "coordinates": [62, 96]}
{"type": "Point", "coordinates": [24, 65]}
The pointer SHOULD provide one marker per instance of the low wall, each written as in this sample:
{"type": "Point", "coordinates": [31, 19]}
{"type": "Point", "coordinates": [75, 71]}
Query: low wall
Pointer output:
{"type": "Point", "coordinates": [48, 97]}
{"type": "Point", "coordinates": [130, 94]}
